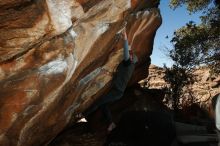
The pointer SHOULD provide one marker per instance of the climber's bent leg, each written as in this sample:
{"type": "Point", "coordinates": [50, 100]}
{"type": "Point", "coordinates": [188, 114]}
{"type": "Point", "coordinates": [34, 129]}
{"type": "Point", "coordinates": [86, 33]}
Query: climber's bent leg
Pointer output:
{"type": "Point", "coordinates": [112, 96]}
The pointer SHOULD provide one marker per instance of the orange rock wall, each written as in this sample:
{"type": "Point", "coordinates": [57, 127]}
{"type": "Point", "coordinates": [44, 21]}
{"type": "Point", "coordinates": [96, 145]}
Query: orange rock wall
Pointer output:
{"type": "Point", "coordinates": [58, 56]}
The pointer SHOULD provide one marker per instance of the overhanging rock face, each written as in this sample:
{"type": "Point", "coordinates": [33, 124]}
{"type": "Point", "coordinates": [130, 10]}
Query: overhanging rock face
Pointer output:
{"type": "Point", "coordinates": [58, 56]}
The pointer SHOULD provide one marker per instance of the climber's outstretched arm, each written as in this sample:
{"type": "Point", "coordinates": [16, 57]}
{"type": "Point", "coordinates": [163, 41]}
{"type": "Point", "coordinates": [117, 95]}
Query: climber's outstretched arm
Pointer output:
{"type": "Point", "coordinates": [126, 46]}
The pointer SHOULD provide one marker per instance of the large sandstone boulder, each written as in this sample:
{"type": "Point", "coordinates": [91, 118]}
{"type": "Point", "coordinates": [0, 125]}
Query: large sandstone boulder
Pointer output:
{"type": "Point", "coordinates": [58, 56]}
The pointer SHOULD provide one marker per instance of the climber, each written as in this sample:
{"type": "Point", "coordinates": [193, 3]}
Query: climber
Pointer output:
{"type": "Point", "coordinates": [119, 83]}
{"type": "Point", "coordinates": [216, 108]}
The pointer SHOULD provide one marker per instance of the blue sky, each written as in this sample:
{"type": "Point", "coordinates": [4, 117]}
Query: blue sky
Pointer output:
{"type": "Point", "coordinates": [172, 20]}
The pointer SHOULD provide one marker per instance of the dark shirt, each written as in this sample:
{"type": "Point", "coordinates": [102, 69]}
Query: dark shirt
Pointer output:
{"type": "Point", "coordinates": [123, 74]}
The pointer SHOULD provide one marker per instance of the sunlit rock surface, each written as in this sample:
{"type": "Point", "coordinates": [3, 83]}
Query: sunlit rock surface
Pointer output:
{"type": "Point", "coordinates": [58, 56]}
{"type": "Point", "coordinates": [203, 89]}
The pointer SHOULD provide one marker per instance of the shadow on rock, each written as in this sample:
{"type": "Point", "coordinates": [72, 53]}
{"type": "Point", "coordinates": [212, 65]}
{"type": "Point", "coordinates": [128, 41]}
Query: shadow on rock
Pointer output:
{"type": "Point", "coordinates": [140, 128]}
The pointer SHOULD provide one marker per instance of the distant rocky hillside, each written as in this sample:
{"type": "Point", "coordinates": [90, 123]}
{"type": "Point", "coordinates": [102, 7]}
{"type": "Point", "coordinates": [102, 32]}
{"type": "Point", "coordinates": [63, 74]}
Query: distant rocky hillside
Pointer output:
{"type": "Point", "coordinates": [203, 89]}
